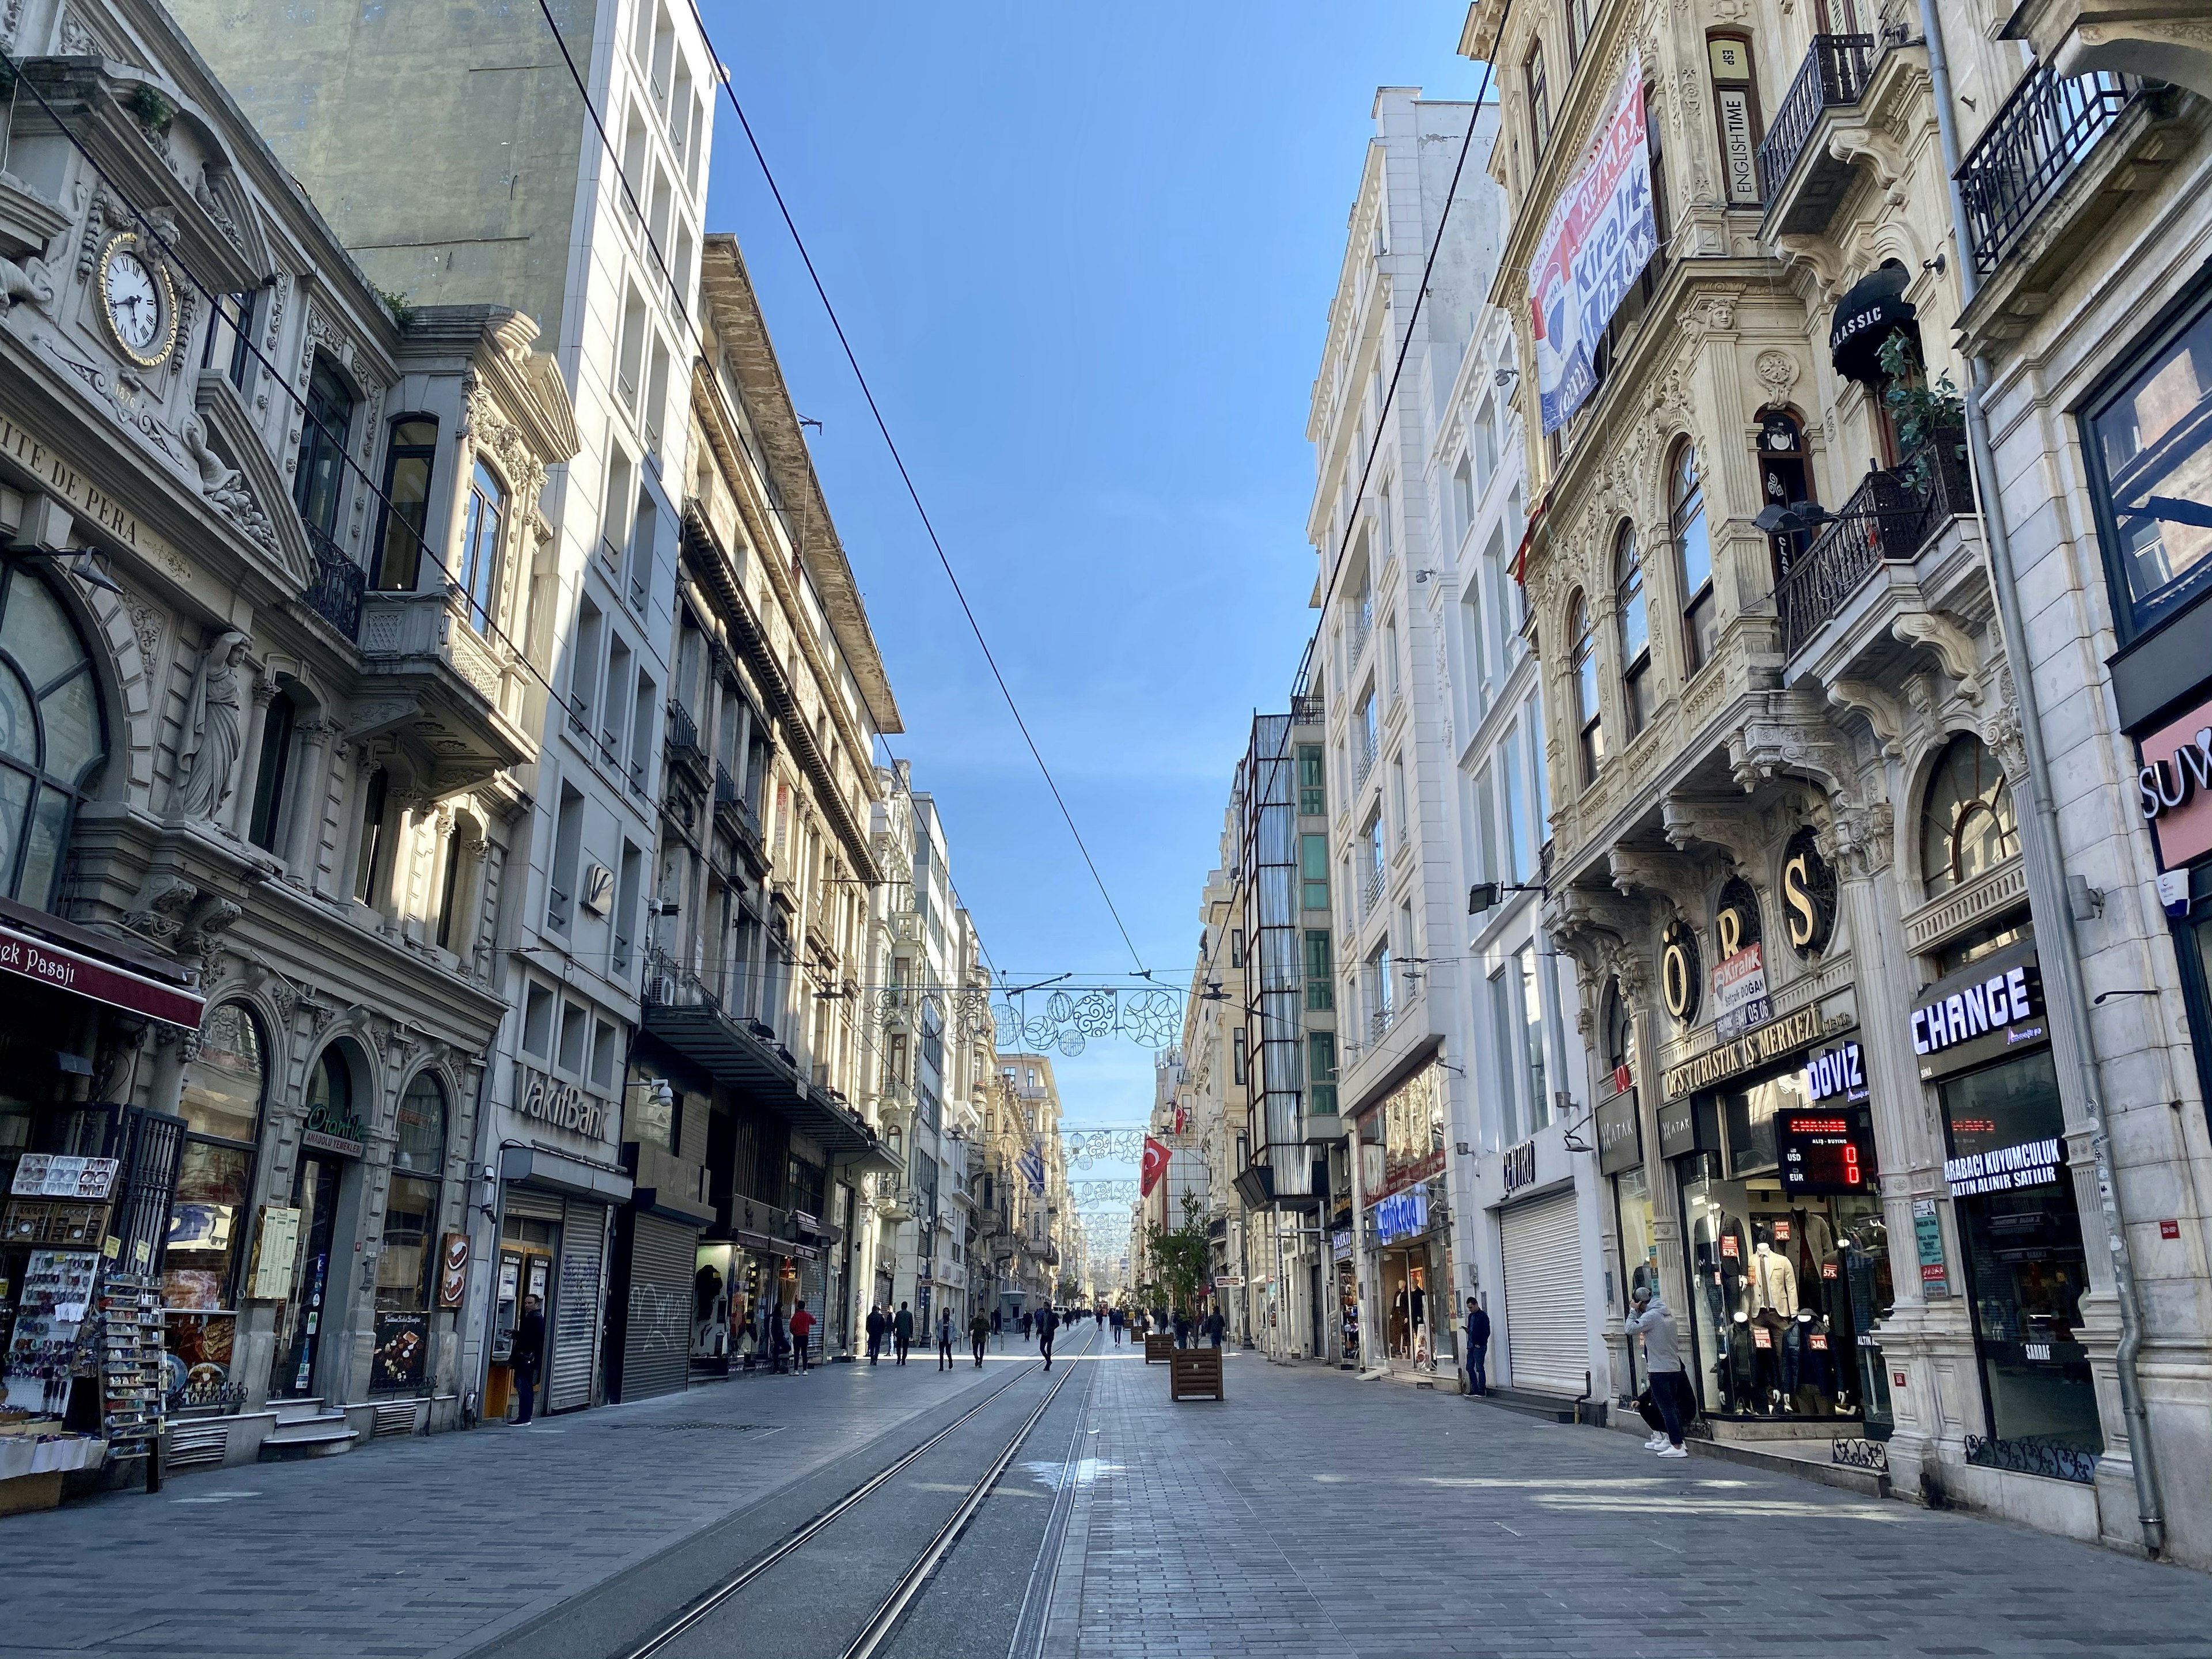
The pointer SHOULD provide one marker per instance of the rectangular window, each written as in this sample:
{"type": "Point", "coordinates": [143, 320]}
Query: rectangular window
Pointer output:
{"type": "Point", "coordinates": [1393, 678]}
{"type": "Point", "coordinates": [1540, 99]}
{"type": "Point", "coordinates": [1398, 801]}
{"type": "Point", "coordinates": [1320, 987]}
{"type": "Point", "coordinates": [568, 850]}
{"type": "Point", "coordinates": [537, 1019]}
{"type": "Point", "coordinates": [1321, 1073]}
{"type": "Point", "coordinates": [400, 534]}
{"type": "Point", "coordinates": [575, 1028]}
{"type": "Point", "coordinates": [1464, 496]}
{"type": "Point", "coordinates": [1237, 947]}
{"type": "Point", "coordinates": [1313, 791]}
{"type": "Point", "coordinates": [1313, 872]}
{"type": "Point", "coordinates": [606, 1052]}
{"type": "Point", "coordinates": [1515, 786]}
{"type": "Point", "coordinates": [480, 546]}
{"type": "Point", "coordinates": [1486, 827]}
{"type": "Point", "coordinates": [1236, 1053]}
{"type": "Point", "coordinates": [1504, 1024]}
{"type": "Point", "coordinates": [1532, 713]}
{"type": "Point", "coordinates": [2149, 449]}
{"type": "Point", "coordinates": [1532, 1038]}
{"type": "Point", "coordinates": [369, 864]}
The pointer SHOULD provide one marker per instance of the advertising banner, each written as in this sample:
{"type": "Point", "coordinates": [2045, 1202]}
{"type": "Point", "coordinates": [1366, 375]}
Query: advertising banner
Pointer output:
{"type": "Point", "coordinates": [1600, 235]}
{"type": "Point", "coordinates": [1740, 1000]}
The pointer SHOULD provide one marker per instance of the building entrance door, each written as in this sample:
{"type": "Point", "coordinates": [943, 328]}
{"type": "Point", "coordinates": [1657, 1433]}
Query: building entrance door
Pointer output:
{"type": "Point", "coordinates": [315, 1194]}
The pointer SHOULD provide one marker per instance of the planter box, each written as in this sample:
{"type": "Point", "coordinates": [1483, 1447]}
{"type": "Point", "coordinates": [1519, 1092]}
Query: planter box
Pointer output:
{"type": "Point", "coordinates": [1195, 1373]}
{"type": "Point", "coordinates": [1159, 1345]}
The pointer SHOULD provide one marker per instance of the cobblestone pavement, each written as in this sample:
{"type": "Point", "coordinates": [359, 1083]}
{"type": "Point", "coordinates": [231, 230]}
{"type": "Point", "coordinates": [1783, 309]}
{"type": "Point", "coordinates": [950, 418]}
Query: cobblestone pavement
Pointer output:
{"type": "Point", "coordinates": [431, 1547]}
{"type": "Point", "coordinates": [1309, 1513]}
{"type": "Point", "coordinates": [1315, 1514]}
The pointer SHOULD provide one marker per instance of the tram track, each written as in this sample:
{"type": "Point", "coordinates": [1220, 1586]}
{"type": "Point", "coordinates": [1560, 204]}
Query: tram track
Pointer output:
{"type": "Point", "coordinates": [883, 1623]}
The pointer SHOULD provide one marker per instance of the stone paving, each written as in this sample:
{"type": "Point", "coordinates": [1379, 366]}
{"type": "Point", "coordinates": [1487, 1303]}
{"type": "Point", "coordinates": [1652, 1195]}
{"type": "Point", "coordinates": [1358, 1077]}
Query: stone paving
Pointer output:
{"type": "Point", "coordinates": [1315, 1514]}
{"type": "Point", "coordinates": [430, 1548]}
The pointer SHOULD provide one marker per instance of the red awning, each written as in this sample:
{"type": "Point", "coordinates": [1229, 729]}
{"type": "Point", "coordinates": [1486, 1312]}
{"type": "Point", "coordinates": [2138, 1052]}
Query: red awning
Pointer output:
{"type": "Point", "coordinates": [23, 956]}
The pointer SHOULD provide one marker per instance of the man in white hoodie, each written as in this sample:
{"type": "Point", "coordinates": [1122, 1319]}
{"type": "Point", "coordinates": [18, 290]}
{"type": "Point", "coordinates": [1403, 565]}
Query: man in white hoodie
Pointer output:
{"type": "Point", "coordinates": [1662, 1363]}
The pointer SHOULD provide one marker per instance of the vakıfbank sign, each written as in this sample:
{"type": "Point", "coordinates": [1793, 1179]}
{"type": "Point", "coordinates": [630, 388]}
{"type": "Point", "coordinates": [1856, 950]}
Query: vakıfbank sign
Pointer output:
{"type": "Point", "coordinates": [563, 1105]}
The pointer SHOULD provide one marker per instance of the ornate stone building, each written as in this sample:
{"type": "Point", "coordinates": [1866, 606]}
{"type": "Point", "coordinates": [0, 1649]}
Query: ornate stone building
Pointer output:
{"type": "Point", "coordinates": [272, 641]}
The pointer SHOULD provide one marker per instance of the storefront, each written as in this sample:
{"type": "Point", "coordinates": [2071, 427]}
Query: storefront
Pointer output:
{"type": "Point", "coordinates": [1407, 1233]}
{"type": "Point", "coordinates": [556, 1216]}
{"type": "Point", "coordinates": [1621, 1163]}
{"type": "Point", "coordinates": [1981, 1037]}
{"type": "Point", "coordinates": [1545, 1319]}
{"type": "Point", "coordinates": [1788, 1261]}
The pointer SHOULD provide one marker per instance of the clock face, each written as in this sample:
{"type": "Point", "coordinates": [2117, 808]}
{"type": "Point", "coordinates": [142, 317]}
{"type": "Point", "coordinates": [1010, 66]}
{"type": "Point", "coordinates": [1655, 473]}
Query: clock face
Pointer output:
{"type": "Point", "coordinates": [136, 299]}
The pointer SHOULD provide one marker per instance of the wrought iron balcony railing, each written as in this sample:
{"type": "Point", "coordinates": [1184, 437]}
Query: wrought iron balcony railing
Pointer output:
{"type": "Point", "coordinates": [334, 593]}
{"type": "Point", "coordinates": [1890, 517]}
{"type": "Point", "coordinates": [1306, 711]}
{"type": "Point", "coordinates": [2032, 147]}
{"type": "Point", "coordinates": [1834, 73]}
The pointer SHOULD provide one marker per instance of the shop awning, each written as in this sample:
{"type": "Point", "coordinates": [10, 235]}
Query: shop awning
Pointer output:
{"type": "Point", "coordinates": [580, 1176]}
{"type": "Point", "coordinates": [1874, 309]}
{"type": "Point", "coordinates": [46, 950]}
{"type": "Point", "coordinates": [737, 1057]}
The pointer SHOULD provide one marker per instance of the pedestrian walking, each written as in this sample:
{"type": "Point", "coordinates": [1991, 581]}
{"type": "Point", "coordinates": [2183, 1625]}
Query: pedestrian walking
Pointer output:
{"type": "Point", "coordinates": [779, 1345]}
{"type": "Point", "coordinates": [999, 1327]}
{"type": "Point", "coordinates": [529, 1354]}
{"type": "Point", "coordinates": [1026, 1319]}
{"type": "Point", "coordinates": [1048, 1321]}
{"type": "Point", "coordinates": [1662, 1363]}
{"type": "Point", "coordinates": [802, 1328]}
{"type": "Point", "coordinates": [979, 1328]}
{"type": "Point", "coordinates": [903, 1331]}
{"type": "Point", "coordinates": [877, 1325]}
{"type": "Point", "coordinates": [1478, 1348]}
{"type": "Point", "coordinates": [1182, 1329]}
{"type": "Point", "coordinates": [944, 1339]}
{"type": "Point", "coordinates": [1216, 1324]}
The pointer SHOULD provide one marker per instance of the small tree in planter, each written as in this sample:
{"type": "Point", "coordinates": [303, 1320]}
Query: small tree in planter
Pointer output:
{"type": "Point", "coordinates": [1928, 415]}
{"type": "Point", "coordinates": [1182, 1255]}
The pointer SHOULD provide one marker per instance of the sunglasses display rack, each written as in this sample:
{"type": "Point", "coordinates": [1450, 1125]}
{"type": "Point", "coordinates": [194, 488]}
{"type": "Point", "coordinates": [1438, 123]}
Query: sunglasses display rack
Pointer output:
{"type": "Point", "coordinates": [132, 1368]}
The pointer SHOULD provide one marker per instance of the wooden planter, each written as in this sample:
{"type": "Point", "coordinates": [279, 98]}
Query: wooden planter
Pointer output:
{"type": "Point", "coordinates": [1159, 1345]}
{"type": "Point", "coordinates": [1195, 1373]}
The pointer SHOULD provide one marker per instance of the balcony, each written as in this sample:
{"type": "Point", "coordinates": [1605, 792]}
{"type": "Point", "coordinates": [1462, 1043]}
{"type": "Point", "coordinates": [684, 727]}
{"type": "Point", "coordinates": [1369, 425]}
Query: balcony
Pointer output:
{"type": "Point", "coordinates": [683, 750]}
{"type": "Point", "coordinates": [2032, 147]}
{"type": "Point", "coordinates": [1370, 894]}
{"type": "Point", "coordinates": [1307, 711]}
{"type": "Point", "coordinates": [1889, 519]}
{"type": "Point", "coordinates": [427, 668]}
{"type": "Point", "coordinates": [334, 593]}
{"type": "Point", "coordinates": [1833, 76]}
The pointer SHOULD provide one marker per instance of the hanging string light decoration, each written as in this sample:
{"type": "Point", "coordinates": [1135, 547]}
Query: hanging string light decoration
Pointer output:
{"type": "Point", "coordinates": [1102, 1146]}
{"type": "Point", "coordinates": [1069, 1021]}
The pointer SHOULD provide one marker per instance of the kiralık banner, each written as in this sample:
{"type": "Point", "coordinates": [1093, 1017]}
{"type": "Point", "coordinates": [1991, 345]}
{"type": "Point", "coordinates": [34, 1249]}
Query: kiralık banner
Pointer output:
{"type": "Point", "coordinates": [1600, 235]}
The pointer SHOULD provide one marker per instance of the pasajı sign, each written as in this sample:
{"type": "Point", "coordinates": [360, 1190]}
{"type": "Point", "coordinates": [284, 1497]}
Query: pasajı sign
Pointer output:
{"type": "Point", "coordinates": [2031, 1163]}
{"type": "Point", "coordinates": [25, 957]}
{"type": "Point", "coordinates": [1980, 1013]}
{"type": "Point", "coordinates": [563, 1105]}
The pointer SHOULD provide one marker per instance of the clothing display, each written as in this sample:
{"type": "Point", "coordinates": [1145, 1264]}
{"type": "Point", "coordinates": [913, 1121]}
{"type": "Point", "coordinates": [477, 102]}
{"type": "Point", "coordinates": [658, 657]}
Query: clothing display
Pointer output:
{"type": "Point", "coordinates": [1772, 1282]}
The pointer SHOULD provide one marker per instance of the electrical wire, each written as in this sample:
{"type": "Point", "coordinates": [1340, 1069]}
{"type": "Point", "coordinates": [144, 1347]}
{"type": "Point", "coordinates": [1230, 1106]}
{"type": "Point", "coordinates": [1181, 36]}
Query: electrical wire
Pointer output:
{"type": "Point", "coordinates": [906, 477]}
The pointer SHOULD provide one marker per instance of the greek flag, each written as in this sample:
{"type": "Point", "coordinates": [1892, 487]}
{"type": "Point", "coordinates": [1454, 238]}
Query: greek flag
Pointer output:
{"type": "Point", "coordinates": [1031, 1165]}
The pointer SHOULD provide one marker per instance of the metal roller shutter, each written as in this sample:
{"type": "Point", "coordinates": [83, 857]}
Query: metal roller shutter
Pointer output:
{"type": "Point", "coordinates": [577, 1289]}
{"type": "Point", "coordinates": [657, 1334]}
{"type": "Point", "coordinates": [1547, 1325]}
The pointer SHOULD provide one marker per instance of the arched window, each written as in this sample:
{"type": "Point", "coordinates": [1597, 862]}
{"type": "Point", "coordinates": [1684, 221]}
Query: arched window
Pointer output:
{"type": "Point", "coordinates": [224, 1089]}
{"type": "Point", "coordinates": [406, 1271]}
{"type": "Point", "coordinates": [1967, 820]}
{"type": "Point", "coordinates": [1694, 553]}
{"type": "Point", "coordinates": [480, 546]}
{"type": "Point", "coordinates": [1635, 630]}
{"type": "Point", "coordinates": [54, 735]}
{"type": "Point", "coordinates": [1589, 722]}
{"type": "Point", "coordinates": [408, 465]}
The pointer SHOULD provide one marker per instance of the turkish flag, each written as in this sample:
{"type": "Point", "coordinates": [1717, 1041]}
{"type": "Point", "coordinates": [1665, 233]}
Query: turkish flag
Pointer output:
{"type": "Point", "coordinates": [1156, 1165]}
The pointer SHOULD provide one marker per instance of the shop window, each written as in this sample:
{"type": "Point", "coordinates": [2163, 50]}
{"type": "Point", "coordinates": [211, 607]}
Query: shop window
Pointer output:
{"type": "Point", "coordinates": [408, 1261]}
{"type": "Point", "coordinates": [1693, 554]}
{"type": "Point", "coordinates": [2149, 444]}
{"type": "Point", "coordinates": [319, 477]}
{"type": "Point", "coordinates": [1639, 1256]}
{"type": "Point", "coordinates": [53, 734]}
{"type": "Point", "coordinates": [1589, 720]}
{"type": "Point", "coordinates": [224, 1089]}
{"type": "Point", "coordinates": [408, 465]}
{"type": "Point", "coordinates": [1635, 630]}
{"type": "Point", "coordinates": [1967, 826]}
{"type": "Point", "coordinates": [2025, 1266]}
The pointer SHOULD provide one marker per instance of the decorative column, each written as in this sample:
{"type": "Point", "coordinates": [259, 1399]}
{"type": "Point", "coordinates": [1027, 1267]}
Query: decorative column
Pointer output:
{"type": "Point", "coordinates": [257, 723]}
{"type": "Point", "coordinates": [303, 837]}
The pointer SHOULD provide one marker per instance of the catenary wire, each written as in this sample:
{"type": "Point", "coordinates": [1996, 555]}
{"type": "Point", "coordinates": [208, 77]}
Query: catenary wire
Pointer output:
{"type": "Point", "coordinates": [912, 492]}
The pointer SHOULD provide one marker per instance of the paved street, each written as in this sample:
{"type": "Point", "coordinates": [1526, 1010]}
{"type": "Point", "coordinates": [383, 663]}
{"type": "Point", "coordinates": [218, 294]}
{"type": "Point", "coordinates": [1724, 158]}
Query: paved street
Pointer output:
{"type": "Point", "coordinates": [1309, 1514]}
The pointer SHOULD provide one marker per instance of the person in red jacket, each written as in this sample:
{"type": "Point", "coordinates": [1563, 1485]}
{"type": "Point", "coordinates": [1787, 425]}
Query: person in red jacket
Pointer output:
{"type": "Point", "coordinates": [802, 1327]}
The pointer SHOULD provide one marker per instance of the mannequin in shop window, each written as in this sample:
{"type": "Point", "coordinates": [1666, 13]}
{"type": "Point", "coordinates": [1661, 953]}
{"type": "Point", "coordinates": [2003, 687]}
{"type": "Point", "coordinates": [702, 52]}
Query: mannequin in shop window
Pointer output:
{"type": "Point", "coordinates": [1771, 1295]}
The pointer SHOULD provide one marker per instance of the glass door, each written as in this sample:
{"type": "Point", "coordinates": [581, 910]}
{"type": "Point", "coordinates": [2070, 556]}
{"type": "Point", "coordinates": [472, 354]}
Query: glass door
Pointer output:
{"type": "Point", "coordinates": [315, 1192]}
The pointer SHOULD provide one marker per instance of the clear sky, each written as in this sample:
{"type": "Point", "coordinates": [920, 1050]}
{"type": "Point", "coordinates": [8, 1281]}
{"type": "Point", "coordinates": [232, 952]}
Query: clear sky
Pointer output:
{"type": "Point", "coordinates": [1084, 255]}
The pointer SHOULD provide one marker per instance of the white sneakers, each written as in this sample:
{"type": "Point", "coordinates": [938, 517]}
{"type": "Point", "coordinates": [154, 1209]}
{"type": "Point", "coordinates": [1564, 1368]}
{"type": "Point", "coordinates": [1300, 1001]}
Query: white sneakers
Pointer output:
{"type": "Point", "coordinates": [1654, 1442]}
{"type": "Point", "coordinates": [1675, 1452]}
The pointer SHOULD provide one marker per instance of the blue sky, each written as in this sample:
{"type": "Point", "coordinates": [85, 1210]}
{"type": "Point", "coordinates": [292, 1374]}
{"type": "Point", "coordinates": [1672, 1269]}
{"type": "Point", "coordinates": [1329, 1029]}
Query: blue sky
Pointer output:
{"type": "Point", "coordinates": [1084, 256]}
